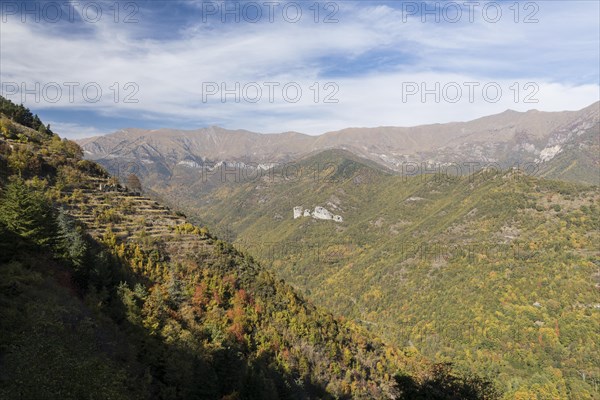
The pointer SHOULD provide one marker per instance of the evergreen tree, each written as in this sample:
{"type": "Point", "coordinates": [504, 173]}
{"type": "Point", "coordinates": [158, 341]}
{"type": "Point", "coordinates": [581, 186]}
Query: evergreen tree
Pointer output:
{"type": "Point", "coordinates": [22, 115]}
{"type": "Point", "coordinates": [70, 242]}
{"type": "Point", "coordinates": [42, 129]}
{"type": "Point", "coordinates": [27, 213]}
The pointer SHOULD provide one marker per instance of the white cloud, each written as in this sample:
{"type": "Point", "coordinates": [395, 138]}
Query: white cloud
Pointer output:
{"type": "Point", "coordinates": [170, 73]}
{"type": "Point", "coordinates": [75, 131]}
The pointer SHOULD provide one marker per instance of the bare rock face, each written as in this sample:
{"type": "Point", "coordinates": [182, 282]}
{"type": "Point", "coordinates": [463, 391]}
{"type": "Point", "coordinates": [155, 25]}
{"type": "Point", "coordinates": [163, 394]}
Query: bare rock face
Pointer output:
{"type": "Point", "coordinates": [321, 213]}
{"type": "Point", "coordinates": [318, 213]}
{"type": "Point", "coordinates": [549, 153]}
{"type": "Point", "coordinates": [297, 212]}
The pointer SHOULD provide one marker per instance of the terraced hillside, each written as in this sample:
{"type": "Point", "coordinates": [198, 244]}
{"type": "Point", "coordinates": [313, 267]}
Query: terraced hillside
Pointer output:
{"type": "Point", "coordinates": [104, 205]}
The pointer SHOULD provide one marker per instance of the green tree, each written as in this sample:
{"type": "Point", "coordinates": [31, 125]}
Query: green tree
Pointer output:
{"type": "Point", "coordinates": [70, 242]}
{"type": "Point", "coordinates": [8, 129]}
{"type": "Point", "coordinates": [24, 161]}
{"type": "Point", "coordinates": [26, 212]}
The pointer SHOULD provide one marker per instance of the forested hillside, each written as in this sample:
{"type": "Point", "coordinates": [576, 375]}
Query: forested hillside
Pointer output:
{"type": "Point", "coordinates": [107, 294]}
{"type": "Point", "coordinates": [497, 271]}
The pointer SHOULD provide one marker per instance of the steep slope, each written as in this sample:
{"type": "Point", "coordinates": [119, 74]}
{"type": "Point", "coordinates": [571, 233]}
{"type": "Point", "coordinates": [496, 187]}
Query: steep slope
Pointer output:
{"type": "Point", "coordinates": [578, 151]}
{"type": "Point", "coordinates": [106, 293]}
{"type": "Point", "coordinates": [496, 271]}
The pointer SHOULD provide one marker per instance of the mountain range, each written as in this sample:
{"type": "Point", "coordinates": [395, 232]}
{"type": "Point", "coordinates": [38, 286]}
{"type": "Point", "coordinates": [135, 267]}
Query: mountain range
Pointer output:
{"type": "Point", "coordinates": [532, 140]}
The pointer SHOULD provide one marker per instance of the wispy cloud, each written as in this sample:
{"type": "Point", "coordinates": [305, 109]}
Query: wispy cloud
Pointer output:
{"type": "Point", "coordinates": [75, 131]}
{"type": "Point", "coordinates": [156, 72]}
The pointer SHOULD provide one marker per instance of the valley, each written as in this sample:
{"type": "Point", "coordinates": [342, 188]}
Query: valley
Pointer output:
{"type": "Point", "coordinates": [446, 265]}
{"type": "Point", "coordinates": [492, 266]}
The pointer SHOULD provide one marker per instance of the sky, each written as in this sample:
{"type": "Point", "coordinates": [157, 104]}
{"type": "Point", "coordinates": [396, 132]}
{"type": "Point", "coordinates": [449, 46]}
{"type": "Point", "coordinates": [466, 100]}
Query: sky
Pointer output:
{"type": "Point", "coordinates": [94, 67]}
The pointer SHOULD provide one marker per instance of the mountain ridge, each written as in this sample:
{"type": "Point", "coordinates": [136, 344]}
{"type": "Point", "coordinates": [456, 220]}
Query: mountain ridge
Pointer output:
{"type": "Point", "coordinates": [592, 107]}
{"type": "Point", "coordinates": [504, 139]}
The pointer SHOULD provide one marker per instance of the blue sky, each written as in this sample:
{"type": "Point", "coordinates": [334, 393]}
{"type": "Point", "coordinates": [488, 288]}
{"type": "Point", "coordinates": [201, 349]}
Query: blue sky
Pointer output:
{"type": "Point", "coordinates": [352, 63]}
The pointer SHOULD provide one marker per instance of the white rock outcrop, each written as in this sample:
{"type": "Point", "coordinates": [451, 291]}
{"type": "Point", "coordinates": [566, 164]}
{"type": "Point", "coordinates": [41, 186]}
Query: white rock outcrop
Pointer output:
{"type": "Point", "coordinates": [318, 213]}
{"type": "Point", "coordinates": [321, 213]}
{"type": "Point", "coordinates": [297, 212]}
{"type": "Point", "coordinates": [549, 153]}
{"type": "Point", "coordinates": [189, 163]}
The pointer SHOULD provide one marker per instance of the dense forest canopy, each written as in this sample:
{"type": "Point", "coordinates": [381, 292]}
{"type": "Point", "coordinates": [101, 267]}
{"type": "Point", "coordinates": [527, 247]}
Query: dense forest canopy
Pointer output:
{"type": "Point", "coordinates": [496, 272]}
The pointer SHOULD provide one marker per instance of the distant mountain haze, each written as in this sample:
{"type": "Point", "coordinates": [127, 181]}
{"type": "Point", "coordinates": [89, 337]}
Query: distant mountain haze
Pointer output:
{"type": "Point", "coordinates": [507, 139]}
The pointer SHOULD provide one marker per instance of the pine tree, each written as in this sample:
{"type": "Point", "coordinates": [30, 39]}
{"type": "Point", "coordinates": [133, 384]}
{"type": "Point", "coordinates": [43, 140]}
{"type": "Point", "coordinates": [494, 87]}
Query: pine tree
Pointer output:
{"type": "Point", "coordinates": [42, 129]}
{"type": "Point", "coordinates": [71, 244]}
{"type": "Point", "coordinates": [27, 213]}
